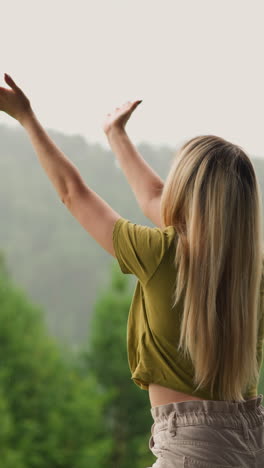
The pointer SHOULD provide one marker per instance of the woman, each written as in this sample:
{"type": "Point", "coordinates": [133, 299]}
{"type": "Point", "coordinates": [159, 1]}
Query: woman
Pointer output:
{"type": "Point", "coordinates": [196, 322]}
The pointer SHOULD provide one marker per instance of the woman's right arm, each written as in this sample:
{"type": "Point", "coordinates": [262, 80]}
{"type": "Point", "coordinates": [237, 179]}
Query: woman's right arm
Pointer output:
{"type": "Point", "coordinates": [145, 183]}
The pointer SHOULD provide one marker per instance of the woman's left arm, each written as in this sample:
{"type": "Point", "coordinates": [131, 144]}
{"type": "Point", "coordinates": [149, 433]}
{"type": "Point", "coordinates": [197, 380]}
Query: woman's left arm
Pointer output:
{"type": "Point", "coordinates": [92, 212]}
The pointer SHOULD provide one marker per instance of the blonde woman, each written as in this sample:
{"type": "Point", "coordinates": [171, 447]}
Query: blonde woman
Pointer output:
{"type": "Point", "coordinates": [196, 321]}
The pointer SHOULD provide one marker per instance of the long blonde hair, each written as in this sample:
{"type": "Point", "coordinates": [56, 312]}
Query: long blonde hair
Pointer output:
{"type": "Point", "coordinates": [212, 197]}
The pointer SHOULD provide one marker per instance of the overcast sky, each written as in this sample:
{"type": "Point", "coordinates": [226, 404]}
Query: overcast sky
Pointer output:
{"type": "Point", "coordinates": [197, 65]}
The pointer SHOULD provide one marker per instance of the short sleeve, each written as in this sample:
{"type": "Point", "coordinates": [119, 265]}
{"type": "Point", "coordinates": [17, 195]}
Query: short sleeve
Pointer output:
{"type": "Point", "coordinates": [140, 249]}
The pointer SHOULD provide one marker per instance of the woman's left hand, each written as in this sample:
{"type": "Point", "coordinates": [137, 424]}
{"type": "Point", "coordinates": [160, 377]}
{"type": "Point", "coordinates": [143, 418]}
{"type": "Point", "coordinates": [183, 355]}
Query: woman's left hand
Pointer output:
{"type": "Point", "coordinates": [13, 101]}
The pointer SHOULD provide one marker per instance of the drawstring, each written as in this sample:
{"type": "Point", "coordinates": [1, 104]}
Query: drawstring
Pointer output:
{"type": "Point", "coordinates": [171, 424]}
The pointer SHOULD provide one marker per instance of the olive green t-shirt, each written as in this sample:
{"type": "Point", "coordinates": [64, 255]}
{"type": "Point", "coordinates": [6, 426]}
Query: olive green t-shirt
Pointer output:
{"type": "Point", "coordinates": [153, 327]}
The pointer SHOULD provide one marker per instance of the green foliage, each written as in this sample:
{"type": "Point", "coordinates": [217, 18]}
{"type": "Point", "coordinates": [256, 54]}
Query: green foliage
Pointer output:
{"type": "Point", "coordinates": [128, 416]}
{"type": "Point", "coordinates": [261, 381]}
{"type": "Point", "coordinates": [51, 416]}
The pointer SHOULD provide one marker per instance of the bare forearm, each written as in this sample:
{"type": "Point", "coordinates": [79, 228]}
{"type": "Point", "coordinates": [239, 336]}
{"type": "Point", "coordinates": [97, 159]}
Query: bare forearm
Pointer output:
{"type": "Point", "coordinates": [60, 170]}
{"type": "Point", "coordinates": [145, 183]}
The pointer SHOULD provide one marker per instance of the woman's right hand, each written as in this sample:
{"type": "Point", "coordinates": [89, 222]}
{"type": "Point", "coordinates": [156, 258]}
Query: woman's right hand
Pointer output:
{"type": "Point", "coordinates": [119, 117]}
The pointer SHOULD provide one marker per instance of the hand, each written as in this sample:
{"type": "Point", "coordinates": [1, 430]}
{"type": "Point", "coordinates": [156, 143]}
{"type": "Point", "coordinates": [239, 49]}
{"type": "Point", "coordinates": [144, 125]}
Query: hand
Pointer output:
{"type": "Point", "coordinates": [120, 116]}
{"type": "Point", "coordinates": [13, 101]}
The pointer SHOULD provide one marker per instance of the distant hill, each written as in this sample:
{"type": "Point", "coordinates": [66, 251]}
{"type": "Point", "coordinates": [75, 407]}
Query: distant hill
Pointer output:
{"type": "Point", "coordinates": [48, 253]}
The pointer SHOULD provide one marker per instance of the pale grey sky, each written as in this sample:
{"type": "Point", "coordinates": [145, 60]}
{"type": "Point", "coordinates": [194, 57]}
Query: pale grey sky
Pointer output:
{"type": "Point", "coordinates": [197, 65]}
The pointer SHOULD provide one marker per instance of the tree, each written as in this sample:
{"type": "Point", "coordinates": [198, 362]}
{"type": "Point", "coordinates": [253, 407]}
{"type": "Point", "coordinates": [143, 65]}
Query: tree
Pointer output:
{"type": "Point", "coordinates": [128, 412]}
{"type": "Point", "coordinates": [51, 416]}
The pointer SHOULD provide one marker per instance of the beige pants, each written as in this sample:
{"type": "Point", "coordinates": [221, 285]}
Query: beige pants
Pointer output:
{"type": "Point", "coordinates": [208, 434]}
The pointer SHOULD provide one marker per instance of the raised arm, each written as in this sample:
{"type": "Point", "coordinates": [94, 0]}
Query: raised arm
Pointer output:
{"type": "Point", "coordinates": [145, 183]}
{"type": "Point", "coordinates": [90, 210]}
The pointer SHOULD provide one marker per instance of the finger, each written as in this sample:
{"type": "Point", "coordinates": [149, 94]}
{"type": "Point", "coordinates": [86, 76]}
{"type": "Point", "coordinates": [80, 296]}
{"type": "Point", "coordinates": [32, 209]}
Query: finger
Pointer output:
{"type": "Point", "coordinates": [135, 104]}
{"type": "Point", "coordinates": [10, 81]}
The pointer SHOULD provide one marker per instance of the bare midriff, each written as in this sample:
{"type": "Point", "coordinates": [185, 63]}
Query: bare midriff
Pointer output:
{"type": "Point", "coordinates": [160, 395]}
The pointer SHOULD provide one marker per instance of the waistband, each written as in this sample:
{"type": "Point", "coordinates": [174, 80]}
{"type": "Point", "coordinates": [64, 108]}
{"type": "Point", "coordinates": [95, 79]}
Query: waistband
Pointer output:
{"type": "Point", "coordinates": [223, 406]}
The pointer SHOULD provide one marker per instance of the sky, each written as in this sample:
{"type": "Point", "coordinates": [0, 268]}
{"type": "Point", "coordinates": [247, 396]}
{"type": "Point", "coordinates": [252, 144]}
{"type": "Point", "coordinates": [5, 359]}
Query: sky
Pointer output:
{"type": "Point", "coordinates": [197, 66]}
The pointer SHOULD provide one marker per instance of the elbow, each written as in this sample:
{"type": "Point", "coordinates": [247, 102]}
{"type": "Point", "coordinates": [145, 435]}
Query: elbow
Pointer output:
{"type": "Point", "coordinates": [73, 186]}
{"type": "Point", "coordinates": [63, 199]}
{"type": "Point", "coordinates": [64, 196]}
